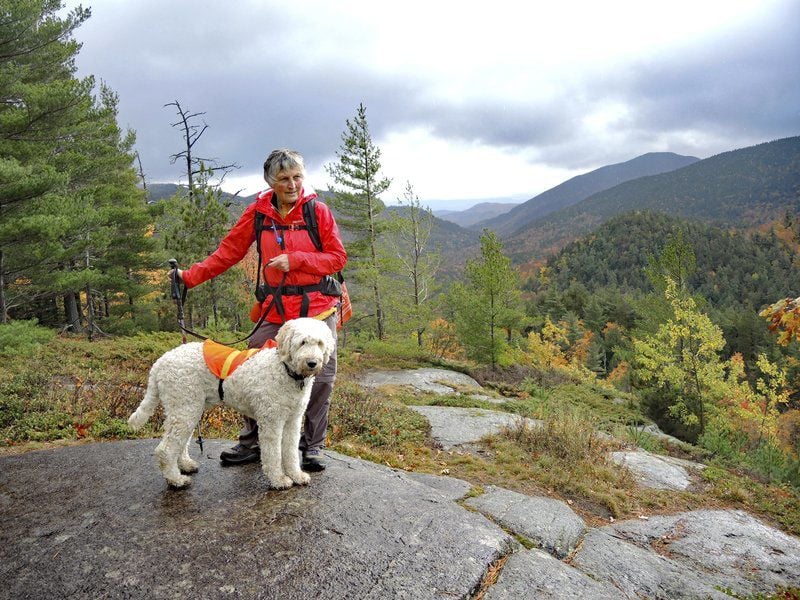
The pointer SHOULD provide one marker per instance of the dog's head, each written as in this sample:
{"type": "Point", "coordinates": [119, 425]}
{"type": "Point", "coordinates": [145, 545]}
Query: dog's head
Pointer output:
{"type": "Point", "coordinates": [305, 345]}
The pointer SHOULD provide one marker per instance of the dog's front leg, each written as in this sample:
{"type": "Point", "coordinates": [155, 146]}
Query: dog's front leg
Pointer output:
{"type": "Point", "coordinates": [289, 450]}
{"type": "Point", "coordinates": [270, 434]}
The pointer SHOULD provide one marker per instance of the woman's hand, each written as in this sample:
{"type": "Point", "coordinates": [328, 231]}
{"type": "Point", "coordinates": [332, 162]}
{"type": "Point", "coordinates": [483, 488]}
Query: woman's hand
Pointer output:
{"type": "Point", "coordinates": [178, 271]}
{"type": "Point", "coordinates": [280, 262]}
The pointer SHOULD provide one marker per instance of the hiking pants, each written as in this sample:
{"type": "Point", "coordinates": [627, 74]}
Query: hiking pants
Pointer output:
{"type": "Point", "coordinates": [316, 421]}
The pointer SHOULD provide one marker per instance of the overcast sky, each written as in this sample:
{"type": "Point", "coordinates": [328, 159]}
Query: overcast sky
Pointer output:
{"type": "Point", "coordinates": [467, 100]}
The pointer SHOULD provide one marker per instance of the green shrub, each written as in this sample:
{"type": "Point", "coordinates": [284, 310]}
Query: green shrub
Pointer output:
{"type": "Point", "coordinates": [23, 337]}
{"type": "Point", "coordinates": [363, 415]}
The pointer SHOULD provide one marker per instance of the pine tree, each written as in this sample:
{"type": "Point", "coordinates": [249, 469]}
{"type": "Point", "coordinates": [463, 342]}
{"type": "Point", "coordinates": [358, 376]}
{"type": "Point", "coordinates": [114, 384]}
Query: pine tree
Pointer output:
{"type": "Point", "coordinates": [40, 104]}
{"type": "Point", "coordinates": [100, 218]}
{"type": "Point", "coordinates": [358, 186]}
{"type": "Point", "coordinates": [488, 303]}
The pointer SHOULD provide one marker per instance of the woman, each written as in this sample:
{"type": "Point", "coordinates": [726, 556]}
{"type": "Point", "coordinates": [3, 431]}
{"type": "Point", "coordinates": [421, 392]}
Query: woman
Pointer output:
{"type": "Point", "coordinates": [292, 270]}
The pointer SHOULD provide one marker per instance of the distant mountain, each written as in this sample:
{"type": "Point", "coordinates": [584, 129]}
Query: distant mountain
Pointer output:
{"type": "Point", "coordinates": [741, 188]}
{"type": "Point", "coordinates": [581, 187]}
{"type": "Point", "coordinates": [734, 268]}
{"type": "Point", "coordinates": [480, 212]}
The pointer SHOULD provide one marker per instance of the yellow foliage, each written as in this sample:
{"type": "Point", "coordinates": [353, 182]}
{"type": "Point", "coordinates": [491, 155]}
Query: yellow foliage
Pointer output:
{"type": "Point", "coordinates": [543, 353]}
{"type": "Point", "coordinates": [443, 340]}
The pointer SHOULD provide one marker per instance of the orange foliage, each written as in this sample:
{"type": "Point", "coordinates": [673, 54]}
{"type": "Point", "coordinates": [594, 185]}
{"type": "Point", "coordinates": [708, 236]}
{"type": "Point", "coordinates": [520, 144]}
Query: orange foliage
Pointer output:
{"type": "Point", "coordinates": [784, 315]}
{"type": "Point", "coordinates": [789, 429]}
{"type": "Point", "coordinates": [619, 374]}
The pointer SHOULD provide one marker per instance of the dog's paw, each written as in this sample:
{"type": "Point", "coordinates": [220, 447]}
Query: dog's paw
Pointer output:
{"type": "Point", "coordinates": [188, 466]}
{"type": "Point", "coordinates": [280, 483]}
{"type": "Point", "coordinates": [179, 482]}
{"type": "Point", "coordinates": [302, 478]}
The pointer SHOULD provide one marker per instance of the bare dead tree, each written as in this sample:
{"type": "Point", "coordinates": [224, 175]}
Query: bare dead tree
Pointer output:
{"type": "Point", "coordinates": [140, 172]}
{"type": "Point", "coordinates": [192, 131]}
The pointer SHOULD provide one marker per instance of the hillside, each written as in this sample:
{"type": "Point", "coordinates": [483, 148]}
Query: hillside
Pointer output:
{"type": "Point", "coordinates": [734, 269]}
{"type": "Point", "coordinates": [740, 188]}
{"type": "Point", "coordinates": [475, 214]}
{"type": "Point", "coordinates": [448, 239]}
{"type": "Point", "coordinates": [581, 187]}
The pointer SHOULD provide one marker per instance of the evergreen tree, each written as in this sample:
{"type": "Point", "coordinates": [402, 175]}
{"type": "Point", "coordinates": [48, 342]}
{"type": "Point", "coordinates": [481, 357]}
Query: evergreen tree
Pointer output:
{"type": "Point", "coordinates": [488, 303]}
{"type": "Point", "coordinates": [358, 186]}
{"type": "Point", "coordinates": [72, 223]}
{"type": "Point", "coordinates": [40, 104]}
{"type": "Point", "coordinates": [100, 219]}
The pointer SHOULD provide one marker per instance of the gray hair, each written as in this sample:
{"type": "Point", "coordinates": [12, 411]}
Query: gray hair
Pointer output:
{"type": "Point", "coordinates": [281, 160]}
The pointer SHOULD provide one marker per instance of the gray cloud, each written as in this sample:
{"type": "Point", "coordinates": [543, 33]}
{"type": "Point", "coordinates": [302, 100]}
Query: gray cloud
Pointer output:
{"type": "Point", "coordinates": [263, 87]}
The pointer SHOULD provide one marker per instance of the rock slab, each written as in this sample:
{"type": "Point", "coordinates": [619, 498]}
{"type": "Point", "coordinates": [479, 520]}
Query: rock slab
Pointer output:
{"type": "Point", "coordinates": [535, 575]}
{"type": "Point", "coordinates": [691, 555]}
{"type": "Point", "coordinates": [657, 471]}
{"type": "Point", "coordinates": [98, 521]}
{"type": "Point", "coordinates": [438, 381]}
{"type": "Point", "coordinates": [453, 426]}
{"type": "Point", "coordinates": [549, 523]}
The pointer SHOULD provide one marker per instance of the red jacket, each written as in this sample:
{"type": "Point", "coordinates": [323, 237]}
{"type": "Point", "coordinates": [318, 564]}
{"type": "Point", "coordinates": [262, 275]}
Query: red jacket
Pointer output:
{"type": "Point", "coordinates": [306, 264]}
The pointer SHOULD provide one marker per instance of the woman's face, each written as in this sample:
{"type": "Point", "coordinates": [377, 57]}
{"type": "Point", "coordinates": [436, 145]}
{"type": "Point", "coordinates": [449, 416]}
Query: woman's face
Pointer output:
{"type": "Point", "coordinates": [287, 186]}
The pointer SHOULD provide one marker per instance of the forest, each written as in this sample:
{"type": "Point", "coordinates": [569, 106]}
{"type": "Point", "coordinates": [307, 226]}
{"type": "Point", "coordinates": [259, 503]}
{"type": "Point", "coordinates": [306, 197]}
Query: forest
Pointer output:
{"type": "Point", "coordinates": [663, 310]}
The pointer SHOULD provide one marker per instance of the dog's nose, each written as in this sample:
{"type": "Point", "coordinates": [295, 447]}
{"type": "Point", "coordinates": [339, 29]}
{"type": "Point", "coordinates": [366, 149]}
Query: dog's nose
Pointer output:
{"type": "Point", "coordinates": [311, 364]}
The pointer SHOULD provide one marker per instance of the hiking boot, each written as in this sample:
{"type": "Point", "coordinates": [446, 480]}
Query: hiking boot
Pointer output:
{"type": "Point", "coordinates": [312, 461]}
{"type": "Point", "coordinates": [239, 455]}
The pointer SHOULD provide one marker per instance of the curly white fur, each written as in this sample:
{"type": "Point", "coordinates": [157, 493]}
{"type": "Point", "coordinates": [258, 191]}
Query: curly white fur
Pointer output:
{"type": "Point", "coordinates": [261, 388]}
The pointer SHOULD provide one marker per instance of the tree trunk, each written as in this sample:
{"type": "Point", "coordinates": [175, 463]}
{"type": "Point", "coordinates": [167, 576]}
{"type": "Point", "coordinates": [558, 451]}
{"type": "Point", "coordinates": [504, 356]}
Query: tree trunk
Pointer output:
{"type": "Point", "coordinates": [72, 312]}
{"type": "Point", "coordinates": [90, 325]}
{"type": "Point", "coordinates": [3, 308]}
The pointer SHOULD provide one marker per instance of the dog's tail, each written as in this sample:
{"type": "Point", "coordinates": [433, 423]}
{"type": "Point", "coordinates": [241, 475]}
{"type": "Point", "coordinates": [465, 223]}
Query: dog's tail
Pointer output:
{"type": "Point", "coordinates": [148, 405]}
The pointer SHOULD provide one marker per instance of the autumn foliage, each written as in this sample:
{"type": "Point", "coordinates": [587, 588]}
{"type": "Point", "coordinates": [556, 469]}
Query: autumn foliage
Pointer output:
{"type": "Point", "coordinates": [784, 319]}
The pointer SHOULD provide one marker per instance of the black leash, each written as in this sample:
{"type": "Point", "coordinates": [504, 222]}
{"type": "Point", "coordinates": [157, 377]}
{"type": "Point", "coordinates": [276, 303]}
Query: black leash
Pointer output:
{"type": "Point", "coordinates": [179, 295]}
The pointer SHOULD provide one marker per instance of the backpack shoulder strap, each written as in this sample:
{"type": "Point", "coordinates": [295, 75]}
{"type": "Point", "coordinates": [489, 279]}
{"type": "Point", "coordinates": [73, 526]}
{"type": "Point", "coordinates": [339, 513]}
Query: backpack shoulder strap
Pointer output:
{"type": "Point", "coordinates": [310, 217]}
{"type": "Point", "coordinates": [258, 224]}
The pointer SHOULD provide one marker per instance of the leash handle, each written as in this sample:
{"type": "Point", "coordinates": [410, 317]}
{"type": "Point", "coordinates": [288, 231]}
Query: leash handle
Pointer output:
{"type": "Point", "coordinates": [176, 294]}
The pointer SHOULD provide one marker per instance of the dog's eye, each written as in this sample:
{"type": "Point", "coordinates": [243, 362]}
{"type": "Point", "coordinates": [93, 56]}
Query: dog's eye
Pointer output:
{"type": "Point", "coordinates": [302, 342]}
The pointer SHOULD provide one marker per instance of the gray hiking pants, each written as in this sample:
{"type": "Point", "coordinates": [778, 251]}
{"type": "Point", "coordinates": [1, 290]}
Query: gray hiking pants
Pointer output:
{"type": "Point", "coordinates": [316, 421]}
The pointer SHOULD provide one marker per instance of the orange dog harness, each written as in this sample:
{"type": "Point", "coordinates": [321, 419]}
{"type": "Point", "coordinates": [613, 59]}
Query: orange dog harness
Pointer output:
{"type": "Point", "coordinates": [223, 360]}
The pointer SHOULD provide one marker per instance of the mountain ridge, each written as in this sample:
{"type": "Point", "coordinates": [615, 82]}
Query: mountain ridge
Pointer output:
{"type": "Point", "coordinates": [580, 187]}
{"type": "Point", "coordinates": [737, 188]}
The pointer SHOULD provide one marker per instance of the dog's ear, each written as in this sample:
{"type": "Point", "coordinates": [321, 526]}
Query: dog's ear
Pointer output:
{"type": "Point", "coordinates": [330, 344]}
{"type": "Point", "coordinates": [284, 341]}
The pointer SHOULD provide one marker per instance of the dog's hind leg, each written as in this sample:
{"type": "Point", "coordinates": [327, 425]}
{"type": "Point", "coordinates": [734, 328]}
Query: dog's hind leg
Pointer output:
{"type": "Point", "coordinates": [185, 463]}
{"type": "Point", "coordinates": [290, 456]}
{"type": "Point", "coordinates": [168, 452]}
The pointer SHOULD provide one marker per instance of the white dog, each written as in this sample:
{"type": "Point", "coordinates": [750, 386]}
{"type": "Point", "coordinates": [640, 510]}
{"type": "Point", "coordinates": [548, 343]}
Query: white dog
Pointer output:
{"type": "Point", "coordinates": [272, 387]}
